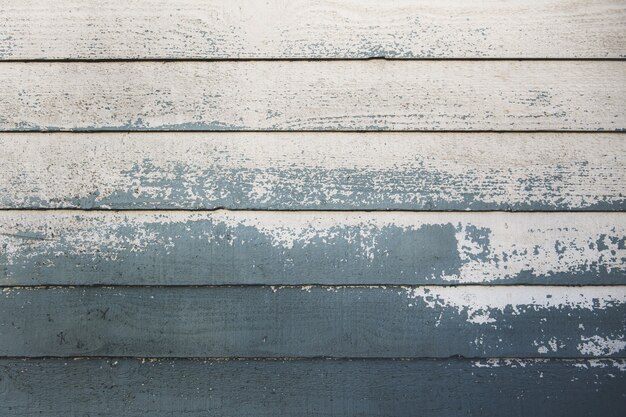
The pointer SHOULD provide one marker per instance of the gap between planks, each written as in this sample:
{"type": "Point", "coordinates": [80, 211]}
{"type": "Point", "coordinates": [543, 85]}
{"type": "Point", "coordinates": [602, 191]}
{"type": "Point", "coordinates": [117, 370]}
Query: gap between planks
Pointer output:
{"type": "Point", "coordinates": [302, 211]}
{"type": "Point", "coordinates": [329, 131]}
{"type": "Point", "coordinates": [11, 287]}
{"type": "Point", "coordinates": [373, 58]}
{"type": "Point", "coordinates": [459, 358]}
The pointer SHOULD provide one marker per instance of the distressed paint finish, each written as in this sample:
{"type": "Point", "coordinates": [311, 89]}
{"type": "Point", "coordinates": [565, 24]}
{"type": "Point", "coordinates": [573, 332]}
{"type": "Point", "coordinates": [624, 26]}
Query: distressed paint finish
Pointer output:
{"type": "Point", "coordinates": [31, 29]}
{"type": "Point", "coordinates": [247, 247]}
{"type": "Point", "coordinates": [313, 388]}
{"type": "Point", "coordinates": [169, 282]}
{"type": "Point", "coordinates": [313, 95]}
{"type": "Point", "coordinates": [345, 171]}
{"type": "Point", "coordinates": [366, 322]}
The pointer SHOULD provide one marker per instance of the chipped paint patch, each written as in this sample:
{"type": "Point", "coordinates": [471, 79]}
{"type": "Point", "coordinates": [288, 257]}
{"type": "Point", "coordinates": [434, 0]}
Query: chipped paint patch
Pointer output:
{"type": "Point", "coordinates": [601, 346]}
{"type": "Point", "coordinates": [619, 364]}
{"type": "Point", "coordinates": [477, 303]}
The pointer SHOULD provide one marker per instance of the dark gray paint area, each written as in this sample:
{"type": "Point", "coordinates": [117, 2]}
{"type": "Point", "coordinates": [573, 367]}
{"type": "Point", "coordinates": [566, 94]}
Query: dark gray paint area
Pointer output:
{"type": "Point", "coordinates": [205, 249]}
{"type": "Point", "coordinates": [306, 322]}
{"type": "Point", "coordinates": [312, 388]}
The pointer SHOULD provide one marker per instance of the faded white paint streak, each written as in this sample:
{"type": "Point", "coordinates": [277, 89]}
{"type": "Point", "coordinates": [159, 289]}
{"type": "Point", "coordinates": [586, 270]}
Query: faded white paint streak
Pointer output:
{"type": "Point", "coordinates": [477, 302]}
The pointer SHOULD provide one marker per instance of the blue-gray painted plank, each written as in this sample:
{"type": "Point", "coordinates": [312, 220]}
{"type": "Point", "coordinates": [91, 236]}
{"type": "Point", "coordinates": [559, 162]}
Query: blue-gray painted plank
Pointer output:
{"type": "Point", "coordinates": [312, 388]}
{"type": "Point", "coordinates": [247, 247]}
{"type": "Point", "coordinates": [470, 321]}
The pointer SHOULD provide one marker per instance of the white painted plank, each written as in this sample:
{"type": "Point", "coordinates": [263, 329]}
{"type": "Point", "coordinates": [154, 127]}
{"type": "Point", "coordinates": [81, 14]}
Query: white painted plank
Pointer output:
{"type": "Point", "coordinates": [32, 29]}
{"type": "Point", "coordinates": [313, 95]}
{"type": "Point", "coordinates": [347, 171]}
{"type": "Point", "coordinates": [302, 247]}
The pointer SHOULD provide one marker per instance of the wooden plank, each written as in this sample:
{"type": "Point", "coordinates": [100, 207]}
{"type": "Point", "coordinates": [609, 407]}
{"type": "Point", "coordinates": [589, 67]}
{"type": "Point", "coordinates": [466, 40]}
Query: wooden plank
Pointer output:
{"type": "Point", "coordinates": [370, 322]}
{"type": "Point", "coordinates": [312, 29]}
{"type": "Point", "coordinates": [309, 95]}
{"type": "Point", "coordinates": [312, 388]}
{"type": "Point", "coordinates": [247, 247]}
{"type": "Point", "coordinates": [336, 171]}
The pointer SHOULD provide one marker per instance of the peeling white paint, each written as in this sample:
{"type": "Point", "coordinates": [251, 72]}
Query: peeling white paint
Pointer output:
{"type": "Point", "coordinates": [601, 346]}
{"type": "Point", "coordinates": [403, 168]}
{"type": "Point", "coordinates": [477, 303]}
{"type": "Point", "coordinates": [551, 345]}
{"type": "Point", "coordinates": [619, 364]}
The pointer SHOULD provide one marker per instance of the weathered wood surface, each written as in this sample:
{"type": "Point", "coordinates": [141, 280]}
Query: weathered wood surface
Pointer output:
{"type": "Point", "coordinates": [315, 388]}
{"type": "Point", "coordinates": [366, 322]}
{"type": "Point", "coordinates": [337, 171]}
{"type": "Point", "coordinates": [31, 29]}
{"type": "Point", "coordinates": [313, 95]}
{"type": "Point", "coordinates": [248, 247]}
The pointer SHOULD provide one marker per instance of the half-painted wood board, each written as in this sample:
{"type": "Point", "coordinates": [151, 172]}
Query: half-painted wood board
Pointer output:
{"type": "Point", "coordinates": [71, 247]}
{"type": "Point", "coordinates": [315, 171]}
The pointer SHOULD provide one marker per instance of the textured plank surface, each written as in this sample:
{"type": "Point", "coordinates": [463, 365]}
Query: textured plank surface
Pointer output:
{"type": "Point", "coordinates": [245, 247]}
{"type": "Point", "coordinates": [423, 171]}
{"type": "Point", "coordinates": [309, 95]}
{"type": "Point", "coordinates": [471, 321]}
{"type": "Point", "coordinates": [313, 388]}
{"type": "Point", "coordinates": [161, 283]}
{"type": "Point", "coordinates": [305, 29]}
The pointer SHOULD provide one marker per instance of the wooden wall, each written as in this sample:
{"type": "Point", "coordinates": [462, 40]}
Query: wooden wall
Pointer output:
{"type": "Point", "coordinates": [313, 208]}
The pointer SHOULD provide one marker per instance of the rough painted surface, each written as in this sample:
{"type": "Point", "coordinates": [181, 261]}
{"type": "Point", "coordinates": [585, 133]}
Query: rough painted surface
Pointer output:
{"type": "Point", "coordinates": [390, 322]}
{"type": "Point", "coordinates": [247, 247]}
{"type": "Point", "coordinates": [313, 388]}
{"type": "Point", "coordinates": [31, 29]}
{"type": "Point", "coordinates": [387, 309]}
{"type": "Point", "coordinates": [417, 171]}
{"type": "Point", "coordinates": [314, 95]}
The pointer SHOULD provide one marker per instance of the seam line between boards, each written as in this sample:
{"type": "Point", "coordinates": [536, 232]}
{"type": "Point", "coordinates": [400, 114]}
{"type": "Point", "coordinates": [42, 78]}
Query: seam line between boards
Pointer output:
{"type": "Point", "coordinates": [313, 59]}
{"type": "Point", "coordinates": [312, 358]}
{"type": "Point", "coordinates": [304, 211]}
{"type": "Point", "coordinates": [329, 131]}
{"type": "Point", "coordinates": [16, 287]}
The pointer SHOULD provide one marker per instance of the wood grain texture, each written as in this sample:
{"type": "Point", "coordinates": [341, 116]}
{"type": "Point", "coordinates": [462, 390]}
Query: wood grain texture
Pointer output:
{"type": "Point", "coordinates": [312, 388]}
{"type": "Point", "coordinates": [247, 247]}
{"type": "Point", "coordinates": [158, 29]}
{"type": "Point", "coordinates": [313, 95]}
{"type": "Point", "coordinates": [366, 322]}
{"type": "Point", "coordinates": [336, 171]}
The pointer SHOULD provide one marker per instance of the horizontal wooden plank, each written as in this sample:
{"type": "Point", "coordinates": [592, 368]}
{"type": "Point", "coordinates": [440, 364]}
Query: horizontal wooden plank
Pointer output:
{"type": "Point", "coordinates": [366, 171]}
{"type": "Point", "coordinates": [315, 388]}
{"type": "Point", "coordinates": [310, 95]}
{"type": "Point", "coordinates": [311, 29]}
{"type": "Point", "coordinates": [264, 247]}
{"type": "Point", "coordinates": [470, 321]}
